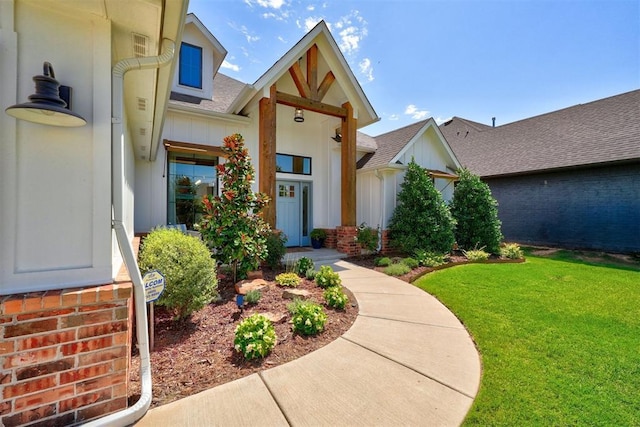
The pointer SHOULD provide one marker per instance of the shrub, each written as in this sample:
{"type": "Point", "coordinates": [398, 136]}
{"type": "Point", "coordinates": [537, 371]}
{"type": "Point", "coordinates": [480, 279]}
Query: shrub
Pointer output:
{"type": "Point", "coordinates": [318, 233]}
{"type": "Point", "coordinates": [335, 297]}
{"type": "Point", "coordinates": [231, 224]}
{"type": "Point", "coordinates": [476, 214]}
{"type": "Point", "coordinates": [476, 255]}
{"type": "Point", "coordinates": [367, 237]}
{"type": "Point", "coordinates": [383, 262]}
{"type": "Point", "coordinates": [511, 251]}
{"type": "Point", "coordinates": [255, 337]}
{"type": "Point", "coordinates": [308, 318]}
{"type": "Point", "coordinates": [326, 277]}
{"type": "Point", "coordinates": [187, 266]}
{"type": "Point", "coordinates": [253, 296]}
{"type": "Point", "coordinates": [288, 279]}
{"type": "Point", "coordinates": [311, 274]}
{"type": "Point", "coordinates": [303, 265]}
{"type": "Point", "coordinates": [421, 220]}
{"type": "Point", "coordinates": [430, 259]}
{"type": "Point", "coordinates": [275, 243]}
{"type": "Point", "coordinates": [397, 269]}
{"type": "Point", "coordinates": [410, 262]}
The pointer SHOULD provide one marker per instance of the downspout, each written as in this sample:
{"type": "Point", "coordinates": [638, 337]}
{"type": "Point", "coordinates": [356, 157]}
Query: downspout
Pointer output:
{"type": "Point", "coordinates": [132, 414]}
{"type": "Point", "coordinates": [382, 208]}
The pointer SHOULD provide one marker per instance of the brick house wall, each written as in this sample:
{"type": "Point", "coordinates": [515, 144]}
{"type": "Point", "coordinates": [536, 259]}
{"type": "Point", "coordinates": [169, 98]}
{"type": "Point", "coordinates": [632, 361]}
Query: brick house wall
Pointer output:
{"type": "Point", "coordinates": [596, 208]}
{"type": "Point", "coordinates": [64, 355]}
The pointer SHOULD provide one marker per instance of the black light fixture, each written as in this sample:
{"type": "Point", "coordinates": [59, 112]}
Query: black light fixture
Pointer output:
{"type": "Point", "coordinates": [338, 137]}
{"type": "Point", "coordinates": [299, 116]}
{"type": "Point", "coordinates": [46, 106]}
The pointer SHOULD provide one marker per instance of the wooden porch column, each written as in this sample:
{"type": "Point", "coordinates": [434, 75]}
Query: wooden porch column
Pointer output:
{"type": "Point", "coordinates": [267, 152]}
{"type": "Point", "coordinates": [348, 167]}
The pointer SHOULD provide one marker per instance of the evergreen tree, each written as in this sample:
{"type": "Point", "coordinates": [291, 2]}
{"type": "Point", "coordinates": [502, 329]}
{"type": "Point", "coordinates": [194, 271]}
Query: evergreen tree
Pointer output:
{"type": "Point", "coordinates": [422, 220]}
{"type": "Point", "coordinates": [476, 214]}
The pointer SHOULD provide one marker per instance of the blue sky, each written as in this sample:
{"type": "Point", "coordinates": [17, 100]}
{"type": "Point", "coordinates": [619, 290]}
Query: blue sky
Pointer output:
{"type": "Point", "coordinates": [472, 59]}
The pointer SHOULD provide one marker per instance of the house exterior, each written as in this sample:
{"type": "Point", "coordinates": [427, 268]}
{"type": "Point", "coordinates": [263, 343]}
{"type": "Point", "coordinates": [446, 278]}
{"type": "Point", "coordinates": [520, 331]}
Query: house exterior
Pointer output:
{"type": "Point", "coordinates": [65, 319]}
{"type": "Point", "coordinates": [569, 178]}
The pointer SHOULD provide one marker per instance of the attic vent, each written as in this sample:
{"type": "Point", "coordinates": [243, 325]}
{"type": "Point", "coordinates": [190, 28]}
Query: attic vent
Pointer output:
{"type": "Point", "coordinates": [143, 147]}
{"type": "Point", "coordinates": [140, 43]}
{"type": "Point", "coordinates": [142, 104]}
{"type": "Point", "coordinates": [143, 131]}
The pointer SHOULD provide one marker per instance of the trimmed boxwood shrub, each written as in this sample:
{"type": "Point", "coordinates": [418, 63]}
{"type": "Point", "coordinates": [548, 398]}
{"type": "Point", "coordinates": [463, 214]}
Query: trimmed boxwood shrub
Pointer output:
{"type": "Point", "coordinates": [288, 279]}
{"type": "Point", "coordinates": [187, 266]}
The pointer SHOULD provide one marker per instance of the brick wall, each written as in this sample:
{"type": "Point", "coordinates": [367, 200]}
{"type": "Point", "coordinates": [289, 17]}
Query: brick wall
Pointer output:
{"type": "Point", "coordinates": [332, 239]}
{"type": "Point", "coordinates": [64, 355]}
{"type": "Point", "coordinates": [385, 247]}
{"type": "Point", "coordinates": [346, 242]}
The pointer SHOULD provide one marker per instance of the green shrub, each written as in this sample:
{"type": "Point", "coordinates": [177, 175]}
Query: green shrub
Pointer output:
{"type": "Point", "coordinates": [476, 214]}
{"type": "Point", "coordinates": [335, 297]}
{"type": "Point", "coordinates": [288, 279]}
{"type": "Point", "coordinates": [303, 265]}
{"type": "Point", "coordinates": [253, 296]}
{"type": "Point", "coordinates": [382, 262]}
{"type": "Point", "coordinates": [255, 336]}
{"type": "Point", "coordinates": [275, 242]}
{"type": "Point", "coordinates": [476, 255]}
{"type": "Point", "coordinates": [308, 318]}
{"type": "Point", "coordinates": [326, 277]}
{"type": "Point", "coordinates": [397, 269]}
{"type": "Point", "coordinates": [367, 237]}
{"type": "Point", "coordinates": [421, 220]}
{"type": "Point", "coordinates": [311, 274]}
{"type": "Point", "coordinates": [430, 259]}
{"type": "Point", "coordinates": [187, 266]}
{"type": "Point", "coordinates": [410, 262]}
{"type": "Point", "coordinates": [511, 251]}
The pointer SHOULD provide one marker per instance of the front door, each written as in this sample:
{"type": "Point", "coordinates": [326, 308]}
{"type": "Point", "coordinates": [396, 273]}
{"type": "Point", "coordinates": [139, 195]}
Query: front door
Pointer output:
{"type": "Point", "coordinates": [293, 211]}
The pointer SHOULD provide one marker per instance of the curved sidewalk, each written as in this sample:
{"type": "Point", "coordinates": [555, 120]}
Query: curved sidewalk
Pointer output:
{"type": "Point", "coordinates": [406, 360]}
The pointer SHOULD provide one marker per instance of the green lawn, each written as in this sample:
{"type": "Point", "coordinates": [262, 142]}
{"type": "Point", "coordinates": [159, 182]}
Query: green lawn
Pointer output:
{"type": "Point", "coordinates": [559, 340]}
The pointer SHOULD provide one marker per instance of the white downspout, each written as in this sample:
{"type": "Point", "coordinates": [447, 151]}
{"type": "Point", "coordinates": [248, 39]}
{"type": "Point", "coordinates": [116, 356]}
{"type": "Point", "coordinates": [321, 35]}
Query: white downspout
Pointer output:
{"type": "Point", "coordinates": [382, 208]}
{"type": "Point", "coordinates": [132, 414]}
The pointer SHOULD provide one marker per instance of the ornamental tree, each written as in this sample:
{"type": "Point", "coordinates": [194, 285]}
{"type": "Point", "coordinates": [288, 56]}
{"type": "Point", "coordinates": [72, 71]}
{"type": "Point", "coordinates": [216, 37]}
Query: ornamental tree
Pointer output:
{"type": "Point", "coordinates": [422, 220]}
{"type": "Point", "coordinates": [231, 224]}
{"type": "Point", "coordinates": [476, 213]}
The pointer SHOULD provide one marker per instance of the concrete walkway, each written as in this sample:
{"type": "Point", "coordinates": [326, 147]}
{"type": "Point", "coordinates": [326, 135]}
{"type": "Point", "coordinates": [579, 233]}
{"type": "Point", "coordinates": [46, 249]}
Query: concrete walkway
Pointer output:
{"type": "Point", "coordinates": [406, 360]}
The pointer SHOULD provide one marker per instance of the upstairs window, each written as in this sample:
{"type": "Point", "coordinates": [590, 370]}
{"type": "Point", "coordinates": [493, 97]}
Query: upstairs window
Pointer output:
{"type": "Point", "coordinates": [190, 72]}
{"type": "Point", "coordinates": [288, 163]}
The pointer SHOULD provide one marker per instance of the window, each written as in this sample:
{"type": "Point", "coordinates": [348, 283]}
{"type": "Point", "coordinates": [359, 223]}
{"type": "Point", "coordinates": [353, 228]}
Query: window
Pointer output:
{"type": "Point", "coordinates": [191, 176]}
{"type": "Point", "coordinates": [190, 72]}
{"type": "Point", "coordinates": [288, 163]}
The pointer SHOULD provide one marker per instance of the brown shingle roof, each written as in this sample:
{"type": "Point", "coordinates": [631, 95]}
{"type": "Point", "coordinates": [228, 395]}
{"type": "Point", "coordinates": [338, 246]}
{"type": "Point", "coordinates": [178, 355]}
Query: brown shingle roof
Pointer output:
{"type": "Point", "coordinates": [607, 130]}
{"type": "Point", "coordinates": [390, 144]}
{"type": "Point", "coordinates": [225, 91]}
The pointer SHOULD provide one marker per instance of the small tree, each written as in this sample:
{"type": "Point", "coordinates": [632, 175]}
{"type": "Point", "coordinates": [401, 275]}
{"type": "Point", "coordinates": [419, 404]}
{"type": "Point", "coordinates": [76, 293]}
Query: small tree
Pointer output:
{"type": "Point", "coordinates": [421, 221]}
{"type": "Point", "coordinates": [231, 224]}
{"type": "Point", "coordinates": [476, 214]}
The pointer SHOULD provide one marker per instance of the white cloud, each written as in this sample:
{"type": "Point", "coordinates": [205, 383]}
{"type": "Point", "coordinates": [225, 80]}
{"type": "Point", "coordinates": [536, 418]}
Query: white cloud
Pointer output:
{"type": "Point", "coordinates": [245, 32]}
{"type": "Point", "coordinates": [440, 120]}
{"type": "Point", "coordinates": [311, 8]}
{"type": "Point", "coordinates": [394, 117]}
{"type": "Point", "coordinates": [415, 113]}
{"type": "Point", "coordinates": [274, 4]}
{"type": "Point", "coordinates": [308, 23]}
{"type": "Point", "coordinates": [282, 39]}
{"type": "Point", "coordinates": [229, 66]}
{"type": "Point", "coordinates": [366, 69]}
{"type": "Point", "coordinates": [353, 28]}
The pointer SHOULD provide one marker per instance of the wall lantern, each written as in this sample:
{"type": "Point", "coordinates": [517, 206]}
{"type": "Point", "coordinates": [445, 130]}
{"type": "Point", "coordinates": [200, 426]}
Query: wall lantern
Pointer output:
{"type": "Point", "coordinates": [46, 106]}
{"type": "Point", "coordinates": [338, 137]}
{"type": "Point", "coordinates": [299, 116]}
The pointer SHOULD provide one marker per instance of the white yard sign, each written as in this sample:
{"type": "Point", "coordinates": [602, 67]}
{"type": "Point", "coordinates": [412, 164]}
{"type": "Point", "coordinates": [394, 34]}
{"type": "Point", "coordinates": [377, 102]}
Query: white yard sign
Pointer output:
{"type": "Point", "coordinates": [153, 285]}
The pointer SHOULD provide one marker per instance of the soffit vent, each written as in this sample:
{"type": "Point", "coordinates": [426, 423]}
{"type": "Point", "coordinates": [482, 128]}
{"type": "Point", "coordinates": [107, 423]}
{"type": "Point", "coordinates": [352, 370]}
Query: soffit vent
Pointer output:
{"type": "Point", "coordinates": [140, 44]}
{"type": "Point", "coordinates": [143, 147]}
{"type": "Point", "coordinates": [143, 131]}
{"type": "Point", "coordinates": [142, 104]}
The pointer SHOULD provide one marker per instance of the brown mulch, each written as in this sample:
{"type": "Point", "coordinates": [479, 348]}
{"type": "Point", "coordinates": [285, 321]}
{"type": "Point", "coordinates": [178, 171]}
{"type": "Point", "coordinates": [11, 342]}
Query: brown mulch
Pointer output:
{"type": "Point", "coordinates": [368, 261]}
{"type": "Point", "coordinates": [194, 355]}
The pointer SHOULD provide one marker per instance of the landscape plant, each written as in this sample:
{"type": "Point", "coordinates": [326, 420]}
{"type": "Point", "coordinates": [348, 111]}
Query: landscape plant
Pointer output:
{"type": "Point", "coordinates": [397, 269]}
{"type": "Point", "coordinates": [335, 297]}
{"type": "Point", "coordinates": [476, 255]}
{"type": "Point", "coordinates": [187, 266]}
{"type": "Point", "coordinates": [276, 249]}
{"type": "Point", "coordinates": [255, 336]}
{"type": "Point", "coordinates": [511, 251]}
{"type": "Point", "coordinates": [307, 317]}
{"type": "Point", "coordinates": [311, 274]}
{"type": "Point", "coordinates": [288, 279]}
{"type": "Point", "coordinates": [303, 265]}
{"type": "Point", "coordinates": [367, 237]}
{"type": "Point", "coordinates": [476, 214]}
{"type": "Point", "coordinates": [231, 224]}
{"type": "Point", "coordinates": [422, 219]}
{"type": "Point", "coordinates": [410, 262]}
{"type": "Point", "coordinates": [253, 296]}
{"type": "Point", "coordinates": [383, 262]}
{"type": "Point", "coordinates": [326, 277]}
{"type": "Point", "coordinates": [430, 259]}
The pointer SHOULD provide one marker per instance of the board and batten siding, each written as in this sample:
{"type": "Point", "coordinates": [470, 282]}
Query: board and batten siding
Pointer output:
{"type": "Point", "coordinates": [596, 208]}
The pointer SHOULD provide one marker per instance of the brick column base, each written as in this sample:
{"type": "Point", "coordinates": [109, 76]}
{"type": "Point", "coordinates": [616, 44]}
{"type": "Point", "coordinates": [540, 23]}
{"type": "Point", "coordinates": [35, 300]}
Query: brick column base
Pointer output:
{"type": "Point", "coordinates": [386, 243]}
{"type": "Point", "coordinates": [346, 243]}
{"type": "Point", "coordinates": [331, 241]}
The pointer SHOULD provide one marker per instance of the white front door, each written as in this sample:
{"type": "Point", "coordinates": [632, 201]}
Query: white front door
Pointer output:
{"type": "Point", "coordinates": [293, 211]}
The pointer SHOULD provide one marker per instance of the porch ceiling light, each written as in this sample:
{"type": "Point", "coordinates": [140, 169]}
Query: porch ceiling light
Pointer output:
{"type": "Point", "coordinates": [45, 106]}
{"type": "Point", "coordinates": [299, 116]}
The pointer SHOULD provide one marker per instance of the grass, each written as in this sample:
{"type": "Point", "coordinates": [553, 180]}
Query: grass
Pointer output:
{"type": "Point", "coordinates": [559, 339]}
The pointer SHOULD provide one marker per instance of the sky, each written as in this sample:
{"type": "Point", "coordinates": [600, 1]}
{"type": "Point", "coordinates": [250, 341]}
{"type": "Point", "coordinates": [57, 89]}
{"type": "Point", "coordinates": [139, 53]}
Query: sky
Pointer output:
{"type": "Point", "coordinates": [508, 59]}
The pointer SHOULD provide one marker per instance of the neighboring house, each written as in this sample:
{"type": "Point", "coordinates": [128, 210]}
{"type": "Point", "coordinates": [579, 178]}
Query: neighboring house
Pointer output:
{"type": "Point", "coordinates": [65, 338]}
{"type": "Point", "coordinates": [569, 178]}
{"type": "Point", "coordinates": [381, 172]}
{"type": "Point", "coordinates": [310, 177]}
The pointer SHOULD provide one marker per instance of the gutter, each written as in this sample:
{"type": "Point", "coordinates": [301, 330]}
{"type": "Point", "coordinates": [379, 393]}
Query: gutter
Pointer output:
{"type": "Point", "coordinates": [132, 414]}
{"type": "Point", "coordinates": [382, 204]}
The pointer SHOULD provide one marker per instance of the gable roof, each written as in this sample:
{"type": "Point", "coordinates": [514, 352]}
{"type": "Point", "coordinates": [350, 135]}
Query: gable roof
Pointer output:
{"type": "Point", "coordinates": [225, 91]}
{"type": "Point", "coordinates": [392, 145]}
{"type": "Point", "coordinates": [219, 52]}
{"type": "Point", "coordinates": [602, 131]}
